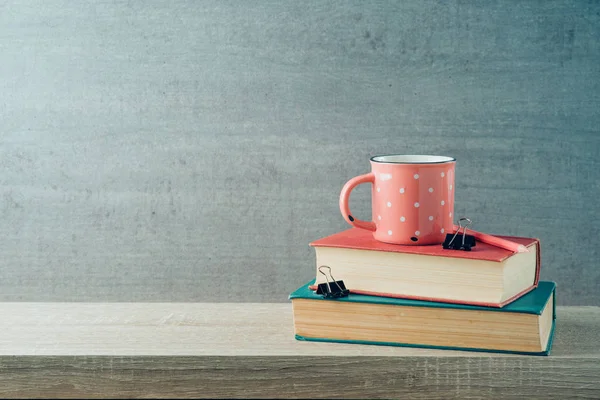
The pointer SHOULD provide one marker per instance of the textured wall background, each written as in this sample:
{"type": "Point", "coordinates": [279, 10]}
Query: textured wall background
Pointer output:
{"type": "Point", "coordinates": [189, 151]}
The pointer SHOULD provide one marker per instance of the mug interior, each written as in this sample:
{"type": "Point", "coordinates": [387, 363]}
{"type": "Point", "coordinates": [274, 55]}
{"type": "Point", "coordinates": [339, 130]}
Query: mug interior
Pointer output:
{"type": "Point", "coordinates": [412, 159]}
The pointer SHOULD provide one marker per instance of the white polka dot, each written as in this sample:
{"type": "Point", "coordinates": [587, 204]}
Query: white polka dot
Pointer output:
{"type": "Point", "coordinates": [417, 205]}
{"type": "Point", "coordinates": [431, 217]}
{"type": "Point", "coordinates": [430, 190]}
{"type": "Point", "coordinates": [402, 219]}
{"type": "Point", "coordinates": [389, 204]}
{"type": "Point", "coordinates": [450, 215]}
{"type": "Point", "coordinates": [389, 232]}
{"type": "Point", "coordinates": [443, 202]}
{"type": "Point", "coordinates": [379, 217]}
{"type": "Point", "coordinates": [417, 233]}
{"type": "Point", "coordinates": [378, 189]}
{"type": "Point", "coordinates": [442, 230]}
{"type": "Point", "coordinates": [450, 187]}
{"type": "Point", "coordinates": [442, 174]}
{"type": "Point", "coordinates": [416, 176]}
{"type": "Point", "coordinates": [401, 190]}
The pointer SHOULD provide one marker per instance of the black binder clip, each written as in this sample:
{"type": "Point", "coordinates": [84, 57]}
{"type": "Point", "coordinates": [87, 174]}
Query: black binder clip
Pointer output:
{"type": "Point", "coordinates": [460, 242]}
{"type": "Point", "coordinates": [334, 290]}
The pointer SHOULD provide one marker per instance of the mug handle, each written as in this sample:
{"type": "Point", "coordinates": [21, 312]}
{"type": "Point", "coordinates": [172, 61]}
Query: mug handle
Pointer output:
{"type": "Point", "coordinates": [345, 198]}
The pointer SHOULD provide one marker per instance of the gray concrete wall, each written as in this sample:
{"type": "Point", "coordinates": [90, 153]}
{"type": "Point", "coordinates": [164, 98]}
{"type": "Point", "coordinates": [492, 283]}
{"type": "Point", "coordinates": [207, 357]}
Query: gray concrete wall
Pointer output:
{"type": "Point", "coordinates": [189, 151]}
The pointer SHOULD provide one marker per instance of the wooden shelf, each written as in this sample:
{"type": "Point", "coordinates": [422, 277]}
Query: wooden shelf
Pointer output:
{"type": "Point", "coordinates": [244, 350]}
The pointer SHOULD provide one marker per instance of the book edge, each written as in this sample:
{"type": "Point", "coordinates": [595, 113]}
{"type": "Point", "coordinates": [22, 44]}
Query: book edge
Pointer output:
{"type": "Point", "coordinates": [511, 299]}
{"type": "Point", "coordinates": [423, 346]}
{"type": "Point", "coordinates": [552, 330]}
{"type": "Point", "coordinates": [545, 352]}
{"type": "Point", "coordinates": [423, 298]}
{"type": "Point", "coordinates": [316, 243]}
{"type": "Point", "coordinates": [295, 295]}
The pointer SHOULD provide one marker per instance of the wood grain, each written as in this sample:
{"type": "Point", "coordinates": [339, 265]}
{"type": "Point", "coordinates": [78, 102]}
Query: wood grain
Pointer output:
{"type": "Point", "coordinates": [294, 377]}
{"type": "Point", "coordinates": [202, 350]}
{"type": "Point", "coordinates": [165, 151]}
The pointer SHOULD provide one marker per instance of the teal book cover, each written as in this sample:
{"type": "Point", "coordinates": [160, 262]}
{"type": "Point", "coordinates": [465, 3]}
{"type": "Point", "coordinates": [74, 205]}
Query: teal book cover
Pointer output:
{"type": "Point", "coordinates": [533, 303]}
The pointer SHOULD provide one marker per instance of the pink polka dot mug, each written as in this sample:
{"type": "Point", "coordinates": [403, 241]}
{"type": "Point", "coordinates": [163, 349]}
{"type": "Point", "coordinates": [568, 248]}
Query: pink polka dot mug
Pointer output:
{"type": "Point", "coordinates": [412, 199]}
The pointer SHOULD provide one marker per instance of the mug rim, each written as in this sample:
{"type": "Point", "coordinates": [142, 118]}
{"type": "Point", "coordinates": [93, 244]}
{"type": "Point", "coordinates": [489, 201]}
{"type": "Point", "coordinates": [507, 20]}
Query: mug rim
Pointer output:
{"type": "Point", "coordinates": [442, 159]}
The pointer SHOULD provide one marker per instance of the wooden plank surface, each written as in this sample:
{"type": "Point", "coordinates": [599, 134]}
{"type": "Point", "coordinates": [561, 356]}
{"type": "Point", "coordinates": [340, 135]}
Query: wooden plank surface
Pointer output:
{"type": "Point", "coordinates": [248, 350]}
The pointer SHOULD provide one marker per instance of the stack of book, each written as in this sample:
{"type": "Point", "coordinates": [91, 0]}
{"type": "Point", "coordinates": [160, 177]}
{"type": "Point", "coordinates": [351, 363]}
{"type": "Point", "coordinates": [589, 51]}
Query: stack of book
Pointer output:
{"type": "Point", "coordinates": [487, 299]}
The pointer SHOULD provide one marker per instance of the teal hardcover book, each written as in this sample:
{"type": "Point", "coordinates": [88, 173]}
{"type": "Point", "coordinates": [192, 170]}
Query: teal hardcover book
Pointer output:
{"type": "Point", "coordinates": [525, 326]}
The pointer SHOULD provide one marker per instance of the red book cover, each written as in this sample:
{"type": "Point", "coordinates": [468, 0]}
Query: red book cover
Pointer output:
{"type": "Point", "coordinates": [361, 239]}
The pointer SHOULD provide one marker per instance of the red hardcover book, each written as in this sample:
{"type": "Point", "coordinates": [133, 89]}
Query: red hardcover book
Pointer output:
{"type": "Point", "coordinates": [487, 275]}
